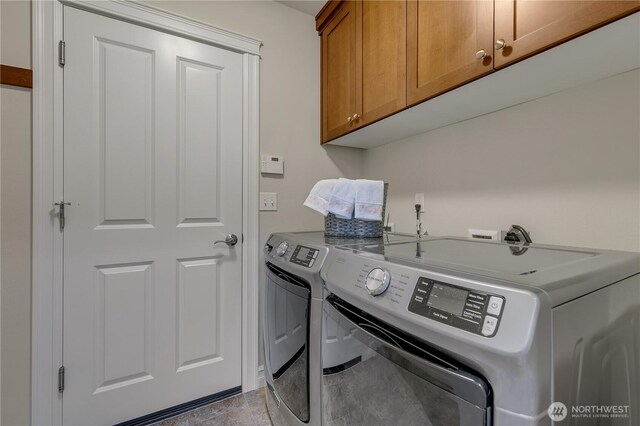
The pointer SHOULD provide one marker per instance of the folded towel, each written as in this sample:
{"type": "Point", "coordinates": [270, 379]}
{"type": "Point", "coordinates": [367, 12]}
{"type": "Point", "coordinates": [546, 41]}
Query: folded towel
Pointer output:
{"type": "Point", "coordinates": [318, 198]}
{"type": "Point", "coordinates": [369, 199]}
{"type": "Point", "coordinates": [342, 199]}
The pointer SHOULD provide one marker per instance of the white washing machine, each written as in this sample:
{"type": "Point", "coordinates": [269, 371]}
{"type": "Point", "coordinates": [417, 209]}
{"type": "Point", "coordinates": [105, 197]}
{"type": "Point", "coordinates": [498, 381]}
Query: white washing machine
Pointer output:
{"type": "Point", "coordinates": [467, 332]}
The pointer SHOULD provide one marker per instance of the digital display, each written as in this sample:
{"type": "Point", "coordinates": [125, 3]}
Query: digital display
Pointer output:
{"type": "Point", "coordinates": [303, 252]}
{"type": "Point", "coordinates": [448, 299]}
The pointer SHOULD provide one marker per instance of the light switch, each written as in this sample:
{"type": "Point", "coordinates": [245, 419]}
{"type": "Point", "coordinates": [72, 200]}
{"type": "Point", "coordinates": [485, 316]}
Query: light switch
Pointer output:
{"type": "Point", "coordinates": [268, 201]}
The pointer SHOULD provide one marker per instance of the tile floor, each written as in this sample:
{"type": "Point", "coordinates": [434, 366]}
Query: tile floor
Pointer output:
{"type": "Point", "coordinates": [248, 409]}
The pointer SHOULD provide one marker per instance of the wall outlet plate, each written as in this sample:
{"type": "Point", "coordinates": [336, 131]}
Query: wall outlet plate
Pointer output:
{"type": "Point", "coordinates": [268, 201]}
{"type": "Point", "coordinates": [484, 234]}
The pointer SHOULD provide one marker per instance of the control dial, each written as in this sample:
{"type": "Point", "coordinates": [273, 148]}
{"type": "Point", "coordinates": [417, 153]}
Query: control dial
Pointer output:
{"type": "Point", "coordinates": [377, 281]}
{"type": "Point", "coordinates": [282, 248]}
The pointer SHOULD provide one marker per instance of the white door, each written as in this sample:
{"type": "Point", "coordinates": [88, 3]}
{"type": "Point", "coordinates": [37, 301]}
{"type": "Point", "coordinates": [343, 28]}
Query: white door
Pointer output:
{"type": "Point", "coordinates": [153, 172]}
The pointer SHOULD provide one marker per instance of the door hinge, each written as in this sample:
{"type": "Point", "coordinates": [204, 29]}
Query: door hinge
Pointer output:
{"type": "Point", "coordinates": [61, 379]}
{"type": "Point", "coordinates": [61, 53]}
{"type": "Point", "coordinates": [61, 215]}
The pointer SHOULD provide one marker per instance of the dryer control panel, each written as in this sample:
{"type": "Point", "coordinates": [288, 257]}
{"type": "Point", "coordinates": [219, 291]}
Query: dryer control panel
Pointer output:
{"type": "Point", "coordinates": [305, 256]}
{"type": "Point", "coordinates": [457, 306]}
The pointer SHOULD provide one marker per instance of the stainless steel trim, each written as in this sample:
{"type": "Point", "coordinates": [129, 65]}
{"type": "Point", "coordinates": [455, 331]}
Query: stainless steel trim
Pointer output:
{"type": "Point", "coordinates": [443, 374]}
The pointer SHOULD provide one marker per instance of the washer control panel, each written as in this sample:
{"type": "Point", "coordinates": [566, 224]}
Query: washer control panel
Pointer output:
{"type": "Point", "coordinates": [459, 307]}
{"type": "Point", "coordinates": [305, 256]}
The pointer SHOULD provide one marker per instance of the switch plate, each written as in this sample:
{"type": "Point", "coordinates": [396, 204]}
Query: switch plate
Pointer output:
{"type": "Point", "coordinates": [419, 199]}
{"type": "Point", "coordinates": [268, 201]}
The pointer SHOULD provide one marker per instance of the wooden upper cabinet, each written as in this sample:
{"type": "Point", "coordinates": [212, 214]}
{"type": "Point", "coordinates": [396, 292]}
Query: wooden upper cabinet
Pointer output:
{"type": "Point", "coordinates": [383, 53]}
{"type": "Point", "coordinates": [339, 76]}
{"type": "Point", "coordinates": [380, 56]}
{"type": "Point", "coordinates": [526, 27]}
{"type": "Point", "coordinates": [449, 43]}
{"type": "Point", "coordinates": [363, 63]}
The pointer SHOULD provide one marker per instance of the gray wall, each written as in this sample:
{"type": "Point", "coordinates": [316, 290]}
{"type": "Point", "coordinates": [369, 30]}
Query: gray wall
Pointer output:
{"type": "Point", "coordinates": [15, 214]}
{"type": "Point", "coordinates": [566, 167]}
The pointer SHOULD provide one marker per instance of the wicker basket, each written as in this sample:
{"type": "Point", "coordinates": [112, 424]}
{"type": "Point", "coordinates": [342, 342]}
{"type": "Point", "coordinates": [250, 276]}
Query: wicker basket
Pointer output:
{"type": "Point", "coordinates": [337, 227]}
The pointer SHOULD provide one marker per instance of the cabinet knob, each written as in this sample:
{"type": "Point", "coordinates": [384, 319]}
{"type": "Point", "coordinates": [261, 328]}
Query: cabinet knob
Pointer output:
{"type": "Point", "coordinates": [349, 120]}
{"type": "Point", "coordinates": [481, 54]}
{"type": "Point", "coordinates": [500, 44]}
{"type": "Point", "coordinates": [356, 117]}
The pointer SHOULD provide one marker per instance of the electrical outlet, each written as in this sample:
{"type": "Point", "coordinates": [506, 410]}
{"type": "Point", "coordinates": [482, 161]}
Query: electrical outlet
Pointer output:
{"type": "Point", "coordinates": [268, 201]}
{"type": "Point", "coordinates": [483, 234]}
{"type": "Point", "coordinates": [419, 199]}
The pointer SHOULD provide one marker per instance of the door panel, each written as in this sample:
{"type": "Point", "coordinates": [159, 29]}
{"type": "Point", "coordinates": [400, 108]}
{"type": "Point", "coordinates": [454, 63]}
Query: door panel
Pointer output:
{"type": "Point", "coordinates": [383, 54]}
{"type": "Point", "coordinates": [125, 133]}
{"type": "Point", "coordinates": [153, 171]}
{"type": "Point", "coordinates": [443, 38]}
{"type": "Point", "coordinates": [198, 140]}
{"type": "Point", "coordinates": [339, 73]}
{"type": "Point", "coordinates": [529, 27]}
{"type": "Point", "coordinates": [123, 317]}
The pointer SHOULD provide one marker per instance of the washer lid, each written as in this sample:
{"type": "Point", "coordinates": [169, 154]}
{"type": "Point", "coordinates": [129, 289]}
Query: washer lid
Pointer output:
{"type": "Point", "coordinates": [564, 273]}
{"type": "Point", "coordinates": [482, 256]}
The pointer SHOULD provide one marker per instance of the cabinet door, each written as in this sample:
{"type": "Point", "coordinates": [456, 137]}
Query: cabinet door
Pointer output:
{"type": "Point", "coordinates": [339, 72]}
{"type": "Point", "coordinates": [444, 44]}
{"type": "Point", "coordinates": [383, 52]}
{"type": "Point", "coordinates": [528, 27]}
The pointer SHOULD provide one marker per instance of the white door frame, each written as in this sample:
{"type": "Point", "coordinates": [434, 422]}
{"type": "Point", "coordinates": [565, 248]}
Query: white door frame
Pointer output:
{"type": "Point", "coordinates": [46, 349]}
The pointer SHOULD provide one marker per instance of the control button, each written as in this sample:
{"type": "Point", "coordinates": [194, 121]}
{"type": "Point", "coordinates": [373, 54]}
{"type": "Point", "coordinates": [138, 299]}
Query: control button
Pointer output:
{"type": "Point", "coordinates": [472, 315]}
{"type": "Point", "coordinates": [315, 254]}
{"type": "Point", "coordinates": [476, 297]}
{"type": "Point", "coordinates": [440, 315]}
{"type": "Point", "coordinates": [495, 305]}
{"type": "Point", "coordinates": [282, 248]}
{"type": "Point", "coordinates": [311, 263]}
{"type": "Point", "coordinates": [377, 281]}
{"type": "Point", "coordinates": [474, 306]}
{"type": "Point", "coordinates": [489, 325]}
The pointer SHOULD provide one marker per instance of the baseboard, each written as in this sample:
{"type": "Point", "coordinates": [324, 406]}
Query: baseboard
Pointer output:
{"type": "Point", "coordinates": [181, 408]}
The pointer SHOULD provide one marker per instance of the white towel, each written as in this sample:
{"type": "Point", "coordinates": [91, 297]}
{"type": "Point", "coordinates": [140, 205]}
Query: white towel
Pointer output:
{"type": "Point", "coordinates": [318, 198]}
{"type": "Point", "coordinates": [369, 199]}
{"type": "Point", "coordinates": [343, 198]}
